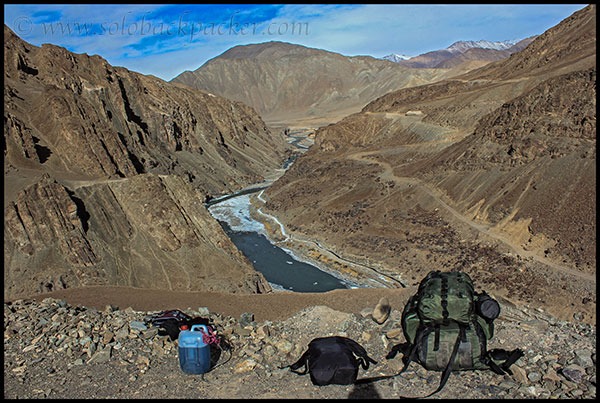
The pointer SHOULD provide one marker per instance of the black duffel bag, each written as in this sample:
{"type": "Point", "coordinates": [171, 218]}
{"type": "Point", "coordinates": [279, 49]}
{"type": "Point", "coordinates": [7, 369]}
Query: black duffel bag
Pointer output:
{"type": "Point", "coordinates": [332, 360]}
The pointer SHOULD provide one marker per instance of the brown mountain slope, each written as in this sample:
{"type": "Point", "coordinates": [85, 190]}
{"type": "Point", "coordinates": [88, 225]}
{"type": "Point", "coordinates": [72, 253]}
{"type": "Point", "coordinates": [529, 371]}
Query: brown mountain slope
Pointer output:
{"type": "Point", "coordinates": [284, 82]}
{"type": "Point", "coordinates": [570, 45]}
{"type": "Point", "coordinates": [106, 171]}
{"type": "Point", "coordinates": [488, 55]}
{"type": "Point", "coordinates": [61, 106]}
{"type": "Point", "coordinates": [492, 173]}
{"type": "Point", "coordinates": [454, 55]}
{"type": "Point", "coordinates": [535, 157]}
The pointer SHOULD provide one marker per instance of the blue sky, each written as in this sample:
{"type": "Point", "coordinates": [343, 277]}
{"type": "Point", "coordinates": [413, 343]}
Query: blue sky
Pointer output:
{"type": "Point", "coordinates": [165, 40]}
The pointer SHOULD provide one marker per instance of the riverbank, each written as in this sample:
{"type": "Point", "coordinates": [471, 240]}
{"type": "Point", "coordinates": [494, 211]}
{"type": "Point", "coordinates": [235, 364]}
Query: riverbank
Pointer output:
{"type": "Point", "coordinates": [359, 273]}
{"type": "Point", "coordinates": [244, 216]}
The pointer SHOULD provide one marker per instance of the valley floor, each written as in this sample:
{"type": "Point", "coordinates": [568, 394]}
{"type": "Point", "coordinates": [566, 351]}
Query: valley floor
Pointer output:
{"type": "Point", "coordinates": [376, 227]}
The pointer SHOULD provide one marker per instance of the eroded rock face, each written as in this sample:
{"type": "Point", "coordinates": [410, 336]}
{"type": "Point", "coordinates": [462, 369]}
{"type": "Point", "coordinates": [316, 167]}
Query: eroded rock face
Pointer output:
{"type": "Point", "coordinates": [81, 116]}
{"type": "Point", "coordinates": [147, 231]}
{"type": "Point", "coordinates": [46, 214]}
{"type": "Point", "coordinates": [106, 171]}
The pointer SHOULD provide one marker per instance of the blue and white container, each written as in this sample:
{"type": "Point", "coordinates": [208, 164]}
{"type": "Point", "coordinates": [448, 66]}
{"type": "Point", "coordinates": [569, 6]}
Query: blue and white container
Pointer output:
{"type": "Point", "coordinates": [194, 354]}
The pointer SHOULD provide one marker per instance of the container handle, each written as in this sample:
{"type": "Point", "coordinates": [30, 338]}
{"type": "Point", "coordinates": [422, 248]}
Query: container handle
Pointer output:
{"type": "Point", "coordinates": [198, 328]}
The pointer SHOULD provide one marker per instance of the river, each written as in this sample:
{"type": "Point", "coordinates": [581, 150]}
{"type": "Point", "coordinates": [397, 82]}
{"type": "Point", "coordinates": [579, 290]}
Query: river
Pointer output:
{"type": "Point", "coordinates": [281, 268]}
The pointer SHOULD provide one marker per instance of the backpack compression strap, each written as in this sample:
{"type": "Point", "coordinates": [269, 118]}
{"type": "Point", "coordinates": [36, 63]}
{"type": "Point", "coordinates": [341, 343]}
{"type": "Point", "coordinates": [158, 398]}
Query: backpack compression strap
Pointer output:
{"type": "Point", "coordinates": [448, 369]}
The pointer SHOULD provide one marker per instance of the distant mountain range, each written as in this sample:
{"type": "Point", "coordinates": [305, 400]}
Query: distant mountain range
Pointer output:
{"type": "Point", "coordinates": [460, 52]}
{"type": "Point", "coordinates": [462, 46]}
{"type": "Point", "coordinates": [394, 57]}
{"type": "Point", "coordinates": [287, 83]}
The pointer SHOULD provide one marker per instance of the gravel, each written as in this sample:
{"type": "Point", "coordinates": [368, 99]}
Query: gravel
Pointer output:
{"type": "Point", "coordinates": [56, 350]}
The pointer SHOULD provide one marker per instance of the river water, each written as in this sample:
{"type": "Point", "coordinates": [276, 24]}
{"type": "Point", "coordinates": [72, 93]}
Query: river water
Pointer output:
{"type": "Point", "coordinates": [281, 268]}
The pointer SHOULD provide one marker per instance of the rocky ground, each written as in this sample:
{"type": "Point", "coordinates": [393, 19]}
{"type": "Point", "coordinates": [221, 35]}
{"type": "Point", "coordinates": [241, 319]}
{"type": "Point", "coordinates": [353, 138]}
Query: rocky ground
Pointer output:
{"type": "Point", "coordinates": [53, 349]}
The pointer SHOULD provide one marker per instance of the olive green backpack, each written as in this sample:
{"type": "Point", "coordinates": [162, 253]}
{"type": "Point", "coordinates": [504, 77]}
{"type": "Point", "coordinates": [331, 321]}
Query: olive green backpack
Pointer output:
{"type": "Point", "coordinates": [447, 325]}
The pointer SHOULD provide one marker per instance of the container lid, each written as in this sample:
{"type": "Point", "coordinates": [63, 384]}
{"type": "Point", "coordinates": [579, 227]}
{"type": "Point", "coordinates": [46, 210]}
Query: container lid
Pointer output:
{"type": "Point", "coordinates": [490, 309]}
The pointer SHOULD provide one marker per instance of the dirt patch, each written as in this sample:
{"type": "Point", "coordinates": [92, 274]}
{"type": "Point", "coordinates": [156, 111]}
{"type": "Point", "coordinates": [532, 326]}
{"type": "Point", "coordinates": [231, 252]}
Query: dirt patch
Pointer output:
{"type": "Point", "coordinates": [279, 305]}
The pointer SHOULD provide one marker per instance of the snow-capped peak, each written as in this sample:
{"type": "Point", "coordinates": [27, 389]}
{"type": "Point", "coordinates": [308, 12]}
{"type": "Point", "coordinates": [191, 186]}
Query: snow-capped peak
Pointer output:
{"type": "Point", "coordinates": [395, 57]}
{"type": "Point", "coordinates": [462, 46]}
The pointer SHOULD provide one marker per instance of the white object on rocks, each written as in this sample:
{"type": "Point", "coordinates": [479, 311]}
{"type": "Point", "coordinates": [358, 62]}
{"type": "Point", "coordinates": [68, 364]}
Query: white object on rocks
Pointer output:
{"type": "Point", "coordinates": [382, 310]}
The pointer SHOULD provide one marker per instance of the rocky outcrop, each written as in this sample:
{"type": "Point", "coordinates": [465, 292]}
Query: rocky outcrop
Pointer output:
{"type": "Point", "coordinates": [106, 171]}
{"type": "Point", "coordinates": [146, 231]}
{"type": "Point", "coordinates": [46, 214]}
{"type": "Point", "coordinates": [561, 107]}
{"type": "Point", "coordinates": [80, 116]}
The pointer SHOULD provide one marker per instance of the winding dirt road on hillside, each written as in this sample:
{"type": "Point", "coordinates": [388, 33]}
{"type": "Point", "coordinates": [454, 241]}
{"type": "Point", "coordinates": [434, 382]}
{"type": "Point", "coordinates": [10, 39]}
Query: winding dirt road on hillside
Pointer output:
{"type": "Point", "coordinates": [388, 174]}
